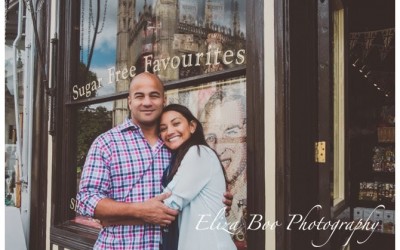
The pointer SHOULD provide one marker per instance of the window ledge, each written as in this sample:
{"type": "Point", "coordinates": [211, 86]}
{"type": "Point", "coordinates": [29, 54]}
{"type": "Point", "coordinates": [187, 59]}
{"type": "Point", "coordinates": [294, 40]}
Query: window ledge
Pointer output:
{"type": "Point", "coordinates": [73, 236]}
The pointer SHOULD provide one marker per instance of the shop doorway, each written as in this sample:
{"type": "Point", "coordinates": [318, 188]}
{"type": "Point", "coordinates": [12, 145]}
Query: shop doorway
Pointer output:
{"type": "Point", "coordinates": [371, 111]}
{"type": "Point", "coordinates": [362, 125]}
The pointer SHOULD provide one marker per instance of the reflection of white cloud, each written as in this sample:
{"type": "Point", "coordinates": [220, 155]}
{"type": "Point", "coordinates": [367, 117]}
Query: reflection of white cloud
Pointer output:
{"type": "Point", "coordinates": [103, 73]}
{"type": "Point", "coordinates": [107, 105]}
{"type": "Point", "coordinates": [9, 57]}
{"type": "Point", "coordinates": [8, 52]}
{"type": "Point", "coordinates": [9, 68]}
{"type": "Point", "coordinates": [106, 40]}
{"type": "Point", "coordinates": [106, 89]}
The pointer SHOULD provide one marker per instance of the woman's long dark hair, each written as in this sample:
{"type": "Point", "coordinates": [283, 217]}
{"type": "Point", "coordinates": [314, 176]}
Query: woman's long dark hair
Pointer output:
{"type": "Point", "coordinates": [197, 138]}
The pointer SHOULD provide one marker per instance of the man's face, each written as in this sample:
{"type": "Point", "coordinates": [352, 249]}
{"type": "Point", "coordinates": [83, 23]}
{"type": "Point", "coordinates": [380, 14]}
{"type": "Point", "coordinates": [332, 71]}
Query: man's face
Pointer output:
{"type": "Point", "coordinates": [146, 100]}
{"type": "Point", "coordinates": [225, 132]}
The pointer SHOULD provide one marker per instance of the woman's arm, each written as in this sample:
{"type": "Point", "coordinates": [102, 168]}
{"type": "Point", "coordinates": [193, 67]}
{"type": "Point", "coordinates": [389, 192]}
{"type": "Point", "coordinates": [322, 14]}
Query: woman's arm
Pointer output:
{"type": "Point", "coordinates": [192, 176]}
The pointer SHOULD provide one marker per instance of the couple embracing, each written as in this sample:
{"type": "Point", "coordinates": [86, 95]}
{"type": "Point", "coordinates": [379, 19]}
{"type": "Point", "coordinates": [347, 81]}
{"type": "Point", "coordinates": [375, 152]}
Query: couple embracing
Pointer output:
{"type": "Point", "coordinates": [158, 150]}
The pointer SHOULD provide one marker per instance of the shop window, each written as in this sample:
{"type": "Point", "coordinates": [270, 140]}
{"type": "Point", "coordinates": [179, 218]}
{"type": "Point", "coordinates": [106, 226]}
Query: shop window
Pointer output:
{"type": "Point", "coordinates": [197, 48]}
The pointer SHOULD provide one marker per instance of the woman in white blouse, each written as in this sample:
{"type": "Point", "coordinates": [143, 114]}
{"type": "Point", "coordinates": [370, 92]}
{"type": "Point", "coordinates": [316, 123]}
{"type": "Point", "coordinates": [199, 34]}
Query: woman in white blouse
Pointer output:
{"type": "Point", "coordinates": [196, 180]}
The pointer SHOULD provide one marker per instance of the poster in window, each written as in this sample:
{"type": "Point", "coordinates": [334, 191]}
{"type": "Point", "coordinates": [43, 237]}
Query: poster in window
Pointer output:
{"type": "Point", "coordinates": [221, 108]}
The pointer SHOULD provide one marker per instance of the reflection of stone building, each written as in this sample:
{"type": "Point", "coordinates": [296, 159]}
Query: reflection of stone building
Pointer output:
{"type": "Point", "coordinates": [173, 28]}
{"type": "Point", "coordinates": [125, 22]}
{"type": "Point", "coordinates": [166, 19]}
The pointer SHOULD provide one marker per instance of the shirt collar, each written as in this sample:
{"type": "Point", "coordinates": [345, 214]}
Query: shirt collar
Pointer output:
{"type": "Point", "coordinates": [128, 124]}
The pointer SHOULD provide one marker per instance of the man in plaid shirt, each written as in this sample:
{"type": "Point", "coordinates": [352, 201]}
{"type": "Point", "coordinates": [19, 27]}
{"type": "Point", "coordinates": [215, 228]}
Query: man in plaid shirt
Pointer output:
{"type": "Point", "coordinates": [121, 179]}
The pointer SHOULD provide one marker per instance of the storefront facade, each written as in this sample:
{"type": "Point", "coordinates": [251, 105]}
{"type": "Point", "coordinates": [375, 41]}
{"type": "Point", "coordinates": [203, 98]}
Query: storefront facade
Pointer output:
{"type": "Point", "coordinates": [261, 76]}
{"type": "Point", "coordinates": [198, 49]}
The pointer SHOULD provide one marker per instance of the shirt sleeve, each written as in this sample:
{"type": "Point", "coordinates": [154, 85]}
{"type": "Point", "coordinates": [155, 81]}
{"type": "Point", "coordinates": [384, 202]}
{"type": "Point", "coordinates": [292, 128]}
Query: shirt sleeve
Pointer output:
{"type": "Point", "coordinates": [194, 173]}
{"type": "Point", "coordinates": [95, 179]}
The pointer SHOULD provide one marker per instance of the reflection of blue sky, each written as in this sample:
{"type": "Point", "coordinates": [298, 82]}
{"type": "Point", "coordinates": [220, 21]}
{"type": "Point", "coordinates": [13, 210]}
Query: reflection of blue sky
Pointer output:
{"type": "Point", "coordinates": [106, 41]}
{"type": "Point", "coordinates": [102, 58]}
{"type": "Point", "coordinates": [104, 54]}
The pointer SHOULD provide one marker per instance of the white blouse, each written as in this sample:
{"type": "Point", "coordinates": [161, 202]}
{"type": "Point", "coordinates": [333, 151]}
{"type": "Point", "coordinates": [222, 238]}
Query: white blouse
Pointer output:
{"type": "Point", "coordinates": [197, 192]}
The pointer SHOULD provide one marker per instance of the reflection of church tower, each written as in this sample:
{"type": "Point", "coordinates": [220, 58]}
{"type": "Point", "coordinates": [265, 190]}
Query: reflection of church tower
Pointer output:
{"type": "Point", "coordinates": [237, 35]}
{"type": "Point", "coordinates": [126, 11]}
{"type": "Point", "coordinates": [167, 22]}
{"type": "Point", "coordinates": [208, 17]}
{"type": "Point", "coordinates": [235, 18]}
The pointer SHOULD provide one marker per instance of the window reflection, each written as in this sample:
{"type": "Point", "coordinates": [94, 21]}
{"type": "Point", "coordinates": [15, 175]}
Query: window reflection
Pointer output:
{"type": "Point", "coordinates": [91, 121]}
{"type": "Point", "coordinates": [173, 39]}
{"type": "Point", "coordinates": [13, 120]}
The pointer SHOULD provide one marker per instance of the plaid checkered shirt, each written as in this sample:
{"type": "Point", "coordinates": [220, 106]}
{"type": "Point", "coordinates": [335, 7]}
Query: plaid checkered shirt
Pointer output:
{"type": "Point", "coordinates": [122, 166]}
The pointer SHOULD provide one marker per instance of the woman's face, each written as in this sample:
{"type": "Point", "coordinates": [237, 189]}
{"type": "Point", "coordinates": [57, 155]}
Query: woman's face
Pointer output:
{"type": "Point", "coordinates": [175, 129]}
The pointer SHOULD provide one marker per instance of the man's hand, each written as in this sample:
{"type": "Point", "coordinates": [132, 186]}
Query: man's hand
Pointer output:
{"type": "Point", "coordinates": [228, 197]}
{"type": "Point", "coordinates": [135, 213]}
{"type": "Point", "coordinates": [154, 211]}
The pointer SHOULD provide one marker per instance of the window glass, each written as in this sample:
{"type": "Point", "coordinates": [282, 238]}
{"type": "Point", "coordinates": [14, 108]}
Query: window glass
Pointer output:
{"type": "Point", "coordinates": [221, 108]}
{"type": "Point", "coordinates": [173, 39]}
{"type": "Point", "coordinates": [91, 121]}
{"type": "Point", "coordinates": [14, 90]}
